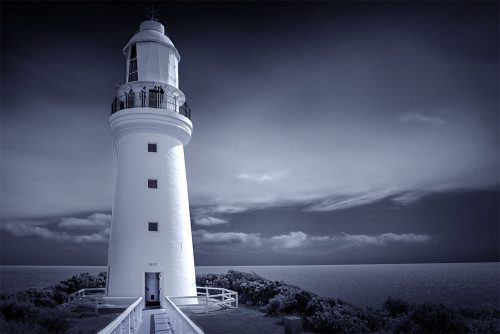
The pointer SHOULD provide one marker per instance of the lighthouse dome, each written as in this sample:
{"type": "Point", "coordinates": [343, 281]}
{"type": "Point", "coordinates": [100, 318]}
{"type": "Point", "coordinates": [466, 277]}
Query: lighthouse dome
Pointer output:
{"type": "Point", "coordinates": [151, 31]}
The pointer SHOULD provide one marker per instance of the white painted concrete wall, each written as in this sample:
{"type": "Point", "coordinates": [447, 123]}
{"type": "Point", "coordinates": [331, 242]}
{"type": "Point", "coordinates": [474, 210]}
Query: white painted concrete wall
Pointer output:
{"type": "Point", "coordinates": [134, 250]}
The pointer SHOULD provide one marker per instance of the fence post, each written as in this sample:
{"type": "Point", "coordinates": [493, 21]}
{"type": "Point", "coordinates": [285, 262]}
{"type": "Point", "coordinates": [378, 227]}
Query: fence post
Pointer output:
{"type": "Point", "coordinates": [236, 299]}
{"type": "Point", "coordinates": [206, 302]}
{"type": "Point", "coordinates": [133, 318]}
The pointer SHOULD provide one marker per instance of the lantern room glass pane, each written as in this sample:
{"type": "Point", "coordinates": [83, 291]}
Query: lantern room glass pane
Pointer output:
{"type": "Point", "coordinates": [132, 67]}
{"type": "Point", "coordinates": [133, 52]}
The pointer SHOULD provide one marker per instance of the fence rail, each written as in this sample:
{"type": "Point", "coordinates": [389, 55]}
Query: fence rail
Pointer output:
{"type": "Point", "coordinates": [180, 323]}
{"type": "Point", "coordinates": [86, 293]}
{"type": "Point", "coordinates": [209, 296]}
{"type": "Point", "coordinates": [150, 100]}
{"type": "Point", "coordinates": [127, 322]}
{"type": "Point", "coordinates": [96, 299]}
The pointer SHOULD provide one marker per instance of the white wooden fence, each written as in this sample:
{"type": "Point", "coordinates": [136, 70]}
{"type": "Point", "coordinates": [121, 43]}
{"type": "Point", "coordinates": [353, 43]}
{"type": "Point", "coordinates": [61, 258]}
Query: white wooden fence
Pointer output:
{"type": "Point", "coordinates": [128, 321]}
{"type": "Point", "coordinates": [208, 296]}
{"type": "Point", "coordinates": [179, 322]}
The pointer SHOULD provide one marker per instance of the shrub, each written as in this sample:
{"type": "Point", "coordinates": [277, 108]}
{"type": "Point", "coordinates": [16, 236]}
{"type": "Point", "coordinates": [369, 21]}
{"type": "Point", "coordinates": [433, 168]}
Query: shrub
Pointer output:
{"type": "Point", "coordinates": [335, 319]}
{"type": "Point", "coordinates": [81, 281]}
{"type": "Point", "coordinates": [35, 311]}
{"type": "Point", "coordinates": [374, 320]}
{"type": "Point", "coordinates": [18, 310]}
{"type": "Point", "coordinates": [38, 297]}
{"type": "Point", "coordinates": [60, 296]}
{"type": "Point", "coordinates": [257, 292]}
{"type": "Point", "coordinates": [213, 280]}
{"type": "Point", "coordinates": [275, 306]}
{"type": "Point", "coordinates": [53, 320]}
{"type": "Point", "coordinates": [396, 306]}
{"type": "Point", "coordinates": [432, 318]}
{"type": "Point", "coordinates": [15, 327]}
{"type": "Point", "coordinates": [289, 301]}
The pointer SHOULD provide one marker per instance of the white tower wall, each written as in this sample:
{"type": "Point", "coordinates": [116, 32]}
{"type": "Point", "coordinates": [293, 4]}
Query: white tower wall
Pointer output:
{"type": "Point", "coordinates": [134, 250]}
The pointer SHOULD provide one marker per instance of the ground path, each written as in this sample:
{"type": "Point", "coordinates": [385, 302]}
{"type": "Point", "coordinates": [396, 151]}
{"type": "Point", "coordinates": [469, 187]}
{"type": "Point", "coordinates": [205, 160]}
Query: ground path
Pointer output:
{"type": "Point", "coordinates": [242, 320]}
{"type": "Point", "coordinates": [154, 321]}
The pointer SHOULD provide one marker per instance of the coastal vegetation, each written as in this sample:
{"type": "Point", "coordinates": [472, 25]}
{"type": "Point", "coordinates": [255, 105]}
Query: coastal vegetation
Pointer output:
{"type": "Point", "coordinates": [332, 315]}
{"type": "Point", "coordinates": [45, 311]}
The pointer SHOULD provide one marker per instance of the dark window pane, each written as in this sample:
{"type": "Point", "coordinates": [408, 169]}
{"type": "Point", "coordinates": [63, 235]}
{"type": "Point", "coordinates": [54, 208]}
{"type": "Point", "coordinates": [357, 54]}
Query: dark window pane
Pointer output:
{"type": "Point", "coordinates": [133, 52]}
{"type": "Point", "coordinates": [151, 147]}
{"type": "Point", "coordinates": [133, 66]}
{"type": "Point", "coordinates": [153, 227]}
{"type": "Point", "coordinates": [132, 77]}
{"type": "Point", "coordinates": [132, 70]}
{"type": "Point", "coordinates": [152, 183]}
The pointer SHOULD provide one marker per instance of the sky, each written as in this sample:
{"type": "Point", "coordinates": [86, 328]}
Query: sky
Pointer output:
{"type": "Point", "coordinates": [324, 132]}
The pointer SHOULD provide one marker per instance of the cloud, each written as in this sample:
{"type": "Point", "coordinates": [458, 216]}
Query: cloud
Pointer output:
{"type": "Point", "coordinates": [414, 117]}
{"type": "Point", "coordinates": [99, 222]}
{"type": "Point", "coordinates": [410, 197]}
{"type": "Point", "coordinates": [101, 237]}
{"type": "Point", "coordinates": [26, 230]}
{"type": "Point", "coordinates": [346, 201]}
{"type": "Point", "coordinates": [298, 241]}
{"type": "Point", "coordinates": [96, 220]}
{"type": "Point", "coordinates": [226, 238]}
{"type": "Point", "coordinates": [259, 178]}
{"type": "Point", "coordinates": [303, 241]}
{"type": "Point", "coordinates": [320, 238]}
{"type": "Point", "coordinates": [229, 209]}
{"type": "Point", "coordinates": [360, 240]}
{"type": "Point", "coordinates": [209, 221]}
{"type": "Point", "coordinates": [291, 240]}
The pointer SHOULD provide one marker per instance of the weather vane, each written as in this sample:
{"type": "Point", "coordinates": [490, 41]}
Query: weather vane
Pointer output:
{"type": "Point", "coordinates": [152, 14]}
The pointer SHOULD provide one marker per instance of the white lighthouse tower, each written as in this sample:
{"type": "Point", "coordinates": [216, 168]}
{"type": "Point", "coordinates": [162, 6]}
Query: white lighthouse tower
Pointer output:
{"type": "Point", "coordinates": [151, 249]}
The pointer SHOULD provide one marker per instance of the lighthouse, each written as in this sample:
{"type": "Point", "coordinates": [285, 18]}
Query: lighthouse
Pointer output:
{"type": "Point", "coordinates": [151, 248]}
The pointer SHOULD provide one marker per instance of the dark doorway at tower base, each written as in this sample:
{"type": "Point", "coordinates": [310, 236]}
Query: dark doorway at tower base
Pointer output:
{"type": "Point", "coordinates": [152, 290]}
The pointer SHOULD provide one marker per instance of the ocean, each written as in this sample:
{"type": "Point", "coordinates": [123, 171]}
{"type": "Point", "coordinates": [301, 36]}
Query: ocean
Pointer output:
{"type": "Point", "coordinates": [453, 284]}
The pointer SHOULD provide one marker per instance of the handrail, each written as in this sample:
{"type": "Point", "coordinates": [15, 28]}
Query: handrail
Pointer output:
{"type": "Point", "coordinates": [179, 322]}
{"type": "Point", "coordinates": [129, 320]}
{"type": "Point", "coordinates": [150, 100]}
{"type": "Point", "coordinates": [86, 292]}
{"type": "Point", "coordinates": [227, 298]}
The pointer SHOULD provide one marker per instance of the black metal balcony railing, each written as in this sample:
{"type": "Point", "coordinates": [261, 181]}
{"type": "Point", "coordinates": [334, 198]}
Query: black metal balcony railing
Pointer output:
{"type": "Point", "coordinates": [150, 100]}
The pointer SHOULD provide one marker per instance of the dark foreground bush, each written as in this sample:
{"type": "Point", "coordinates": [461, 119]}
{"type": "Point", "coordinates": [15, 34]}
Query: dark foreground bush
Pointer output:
{"type": "Point", "coordinates": [17, 314]}
{"type": "Point", "coordinates": [396, 306]}
{"type": "Point", "coordinates": [330, 315]}
{"type": "Point", "coordinates": [37, 311]}
{"type": "Point", "coordinates": [432, 318]}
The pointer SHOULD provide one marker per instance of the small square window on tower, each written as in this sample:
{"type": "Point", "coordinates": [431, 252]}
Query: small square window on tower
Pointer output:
{"type": "Point", "coordinates": [152, 148]}
{"type": "Point", "coordinates": [152, 184]}
{"type": "Point", "coordinates": [153, 227]}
